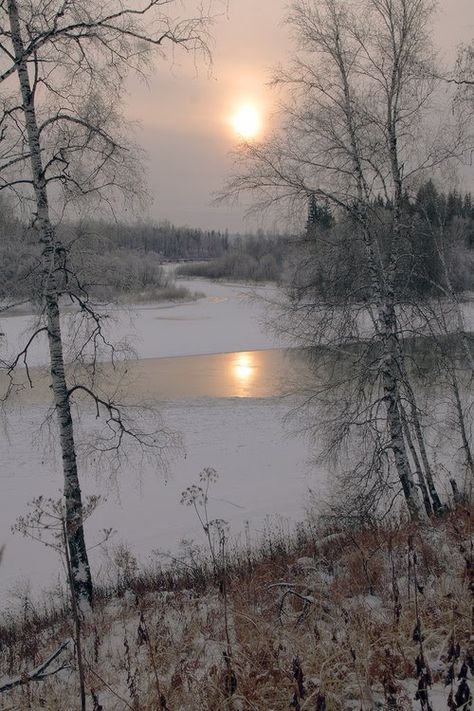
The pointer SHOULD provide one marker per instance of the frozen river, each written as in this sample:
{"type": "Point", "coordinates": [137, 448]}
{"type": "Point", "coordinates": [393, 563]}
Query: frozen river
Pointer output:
{"type": "Point", "coordinates": [215, 373]}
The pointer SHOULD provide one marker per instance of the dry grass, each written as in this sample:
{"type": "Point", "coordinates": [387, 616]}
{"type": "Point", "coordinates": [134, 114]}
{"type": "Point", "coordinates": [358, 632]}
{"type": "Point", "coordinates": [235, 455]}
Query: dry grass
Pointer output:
{"type": "Point", "coordinates": [363, 619]}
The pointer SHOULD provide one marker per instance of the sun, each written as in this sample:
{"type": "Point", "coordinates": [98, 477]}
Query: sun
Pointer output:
{"type": "Point", "coordinates": [247, 122]}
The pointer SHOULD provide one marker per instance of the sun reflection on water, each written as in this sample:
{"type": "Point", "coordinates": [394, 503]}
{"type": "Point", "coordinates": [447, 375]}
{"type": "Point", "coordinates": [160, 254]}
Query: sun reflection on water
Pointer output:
{"type": "Point", "coordinates": [243, 370]}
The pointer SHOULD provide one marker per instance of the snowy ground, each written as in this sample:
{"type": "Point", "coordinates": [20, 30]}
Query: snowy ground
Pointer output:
{"type": "Point", "coordinates": [262, 471]}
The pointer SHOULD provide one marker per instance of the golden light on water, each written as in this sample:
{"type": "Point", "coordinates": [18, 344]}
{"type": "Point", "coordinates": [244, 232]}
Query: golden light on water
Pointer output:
{"type": "Point", "coordinates": [243, 371]}
{"type": "Point", "coordinates": [247, 122]}
{"type": "Point", "coordinates": [243, 366]}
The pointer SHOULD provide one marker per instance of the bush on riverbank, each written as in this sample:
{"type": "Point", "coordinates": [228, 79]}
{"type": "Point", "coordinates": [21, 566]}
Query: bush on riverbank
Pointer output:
{"type": "Point", "coordinates": [238, 267]}
{"type": "Point", "coordinates": [252, 259]}
{"type": "Point", "coordinates": [129, 276]}
{"type": "Point", "coordinates": [333, 619]}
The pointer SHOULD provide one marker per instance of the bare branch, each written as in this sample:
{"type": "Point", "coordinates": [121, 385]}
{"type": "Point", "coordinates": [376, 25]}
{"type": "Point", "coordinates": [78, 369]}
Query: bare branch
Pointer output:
{"type": "Point", "coordinates": [41, 672]}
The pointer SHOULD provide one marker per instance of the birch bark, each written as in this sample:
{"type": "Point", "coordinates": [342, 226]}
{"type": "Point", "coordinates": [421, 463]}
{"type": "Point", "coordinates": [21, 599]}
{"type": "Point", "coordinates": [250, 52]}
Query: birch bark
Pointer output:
{"type": "Point", "coordinates": [382, 294]}
{"type": "Point", "coordinates": [72, 492]}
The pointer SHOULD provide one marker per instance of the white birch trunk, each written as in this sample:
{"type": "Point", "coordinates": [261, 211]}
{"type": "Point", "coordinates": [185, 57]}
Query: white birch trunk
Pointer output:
{"type": "Point", "coordinates": [391, 389]}
{"type": "Point", "coordinates": [72, 492]}
{"type": "Point", "coordinates": [394, 362]}
{"type": "Point", "coordinates": [417, 465]}
{"type": "Point", "coordinates": [383, 298]}
{"type": "Point", "coordinates": [415, 418]}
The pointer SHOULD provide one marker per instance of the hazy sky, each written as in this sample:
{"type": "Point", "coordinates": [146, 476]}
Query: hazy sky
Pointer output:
{"type": "Point", "coordinates": [184, 116]}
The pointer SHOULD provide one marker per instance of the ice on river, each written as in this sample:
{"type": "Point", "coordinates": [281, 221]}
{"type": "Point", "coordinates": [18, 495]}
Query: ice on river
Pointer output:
{"type": "Point", "coordinates": [227, 319]}
{"type": "Point", "coordinates": [262, 470]}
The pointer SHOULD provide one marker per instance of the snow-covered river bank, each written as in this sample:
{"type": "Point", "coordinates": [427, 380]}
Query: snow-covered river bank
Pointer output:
{"type": "Point", "coordinates": [225, 406]}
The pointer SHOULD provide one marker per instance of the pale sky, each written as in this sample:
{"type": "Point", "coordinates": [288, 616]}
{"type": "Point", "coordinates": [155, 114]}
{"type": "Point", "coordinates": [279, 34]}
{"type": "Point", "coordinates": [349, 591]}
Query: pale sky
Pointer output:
{"type": "Point", "coordinates": [184, 117]}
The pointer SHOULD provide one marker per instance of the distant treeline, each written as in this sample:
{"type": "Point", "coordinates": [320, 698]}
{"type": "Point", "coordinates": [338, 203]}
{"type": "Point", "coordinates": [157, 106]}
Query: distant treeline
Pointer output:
{"type": "Point", "coordinates": [105, 260]}
{"type": "Point", "coordinates": [429, 203]}
{"type": "Point", "coordinates": [166, 240]}
{"type": "Point", "coordinates": [110, 259]}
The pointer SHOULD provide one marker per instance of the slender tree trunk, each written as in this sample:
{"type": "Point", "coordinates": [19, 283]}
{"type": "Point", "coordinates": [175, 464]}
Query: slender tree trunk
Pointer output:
{"type": "Point", "coordinates": [383, 297]}
{"type": "Point", "coordinates": [417, 464]}
{"type": "Point", "coordinates": [461, 332]}
{"type": "Point", "coordinates": [394, 371]}
{"type": "Point", "coordinates": [72, 492]}
{"type": "Point", "coordinates": [462, 427]}
{"type": "Point", "coordinates": [77, 619]}
{"type": "Point", "coordinates": [437, 505]}
{"type": "Point", "coordinates": [391, 389]}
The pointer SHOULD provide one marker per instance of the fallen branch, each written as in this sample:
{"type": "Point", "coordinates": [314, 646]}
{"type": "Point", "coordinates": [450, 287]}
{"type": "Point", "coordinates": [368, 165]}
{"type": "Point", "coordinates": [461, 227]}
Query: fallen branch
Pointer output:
{"type": "Point", "coordinates": [39, 673]}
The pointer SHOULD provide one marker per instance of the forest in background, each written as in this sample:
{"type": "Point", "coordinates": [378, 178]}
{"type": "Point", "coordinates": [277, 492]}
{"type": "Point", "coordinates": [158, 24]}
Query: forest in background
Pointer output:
{"type": "Point", "coordinates": [263, 258]}
{"type": "Point", "coordinates": [114, 259]}
{"type": "Point", "coordinates": [117, 259]}
{"type": "Point", "coordinates": [438, 233]}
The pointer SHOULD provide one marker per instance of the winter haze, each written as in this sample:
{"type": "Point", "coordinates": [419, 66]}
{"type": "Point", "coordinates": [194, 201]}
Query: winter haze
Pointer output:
{"type": "Point", "coordinates": [184, 113]}
{"type": "Point", "coordinates": [236, 453]}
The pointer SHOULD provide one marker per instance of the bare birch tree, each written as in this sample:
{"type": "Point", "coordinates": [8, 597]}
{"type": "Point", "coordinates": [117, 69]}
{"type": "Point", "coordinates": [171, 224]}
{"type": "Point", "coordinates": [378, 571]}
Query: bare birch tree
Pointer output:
{"type": "Point", "coordinates": [359, 123]}
{"type": "Point", "coordinates": [63, 140]}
